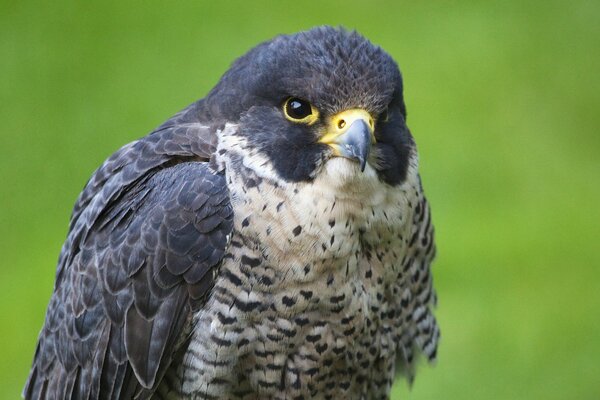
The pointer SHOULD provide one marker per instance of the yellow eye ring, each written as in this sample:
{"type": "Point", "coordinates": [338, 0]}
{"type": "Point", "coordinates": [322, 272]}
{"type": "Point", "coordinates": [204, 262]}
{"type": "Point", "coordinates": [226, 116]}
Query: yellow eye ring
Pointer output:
{"type": "Point", "coordinates": [300, 111]}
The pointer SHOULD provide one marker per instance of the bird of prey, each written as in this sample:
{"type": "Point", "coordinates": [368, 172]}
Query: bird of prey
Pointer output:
{"type": "Point", "coordinates": [271, 240]}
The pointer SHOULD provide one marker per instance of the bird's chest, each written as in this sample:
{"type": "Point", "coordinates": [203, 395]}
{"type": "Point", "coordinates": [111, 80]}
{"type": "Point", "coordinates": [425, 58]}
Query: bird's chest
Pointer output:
{"type": "Point", "coordinates": [334, 336]}
{"type": "Point", "coordinates": [307, 302]}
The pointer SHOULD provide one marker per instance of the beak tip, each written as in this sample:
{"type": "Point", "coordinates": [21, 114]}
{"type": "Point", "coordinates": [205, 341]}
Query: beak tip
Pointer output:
{"type": "Point", "coordinates": [363, 164]}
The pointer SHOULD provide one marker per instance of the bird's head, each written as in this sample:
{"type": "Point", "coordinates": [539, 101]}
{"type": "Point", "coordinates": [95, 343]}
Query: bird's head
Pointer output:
{"type": "Point", "coordinates": [304, 100]}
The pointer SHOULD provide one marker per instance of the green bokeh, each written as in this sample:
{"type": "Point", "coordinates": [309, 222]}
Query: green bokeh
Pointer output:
{"type": "Point", "coordinates": [503, 99]}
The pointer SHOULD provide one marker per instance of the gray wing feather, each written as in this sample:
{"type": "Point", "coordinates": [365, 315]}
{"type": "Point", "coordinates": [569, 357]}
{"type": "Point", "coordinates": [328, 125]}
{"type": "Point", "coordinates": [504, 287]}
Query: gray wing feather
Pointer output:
{"type": "Point", "coordinates": [145, 235]}
{"type": "Point", "coordinates": [422, 332]}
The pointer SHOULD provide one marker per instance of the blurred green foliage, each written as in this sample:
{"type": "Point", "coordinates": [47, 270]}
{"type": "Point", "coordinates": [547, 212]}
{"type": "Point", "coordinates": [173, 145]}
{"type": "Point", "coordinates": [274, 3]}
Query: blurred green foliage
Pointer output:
{"type": "Point", "coordinates": [503, 99]}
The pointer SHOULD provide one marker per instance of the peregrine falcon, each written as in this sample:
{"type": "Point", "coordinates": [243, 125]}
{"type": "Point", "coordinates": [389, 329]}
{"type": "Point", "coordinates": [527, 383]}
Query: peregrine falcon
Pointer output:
{"type": "Point", "coordinates": [271, 240]}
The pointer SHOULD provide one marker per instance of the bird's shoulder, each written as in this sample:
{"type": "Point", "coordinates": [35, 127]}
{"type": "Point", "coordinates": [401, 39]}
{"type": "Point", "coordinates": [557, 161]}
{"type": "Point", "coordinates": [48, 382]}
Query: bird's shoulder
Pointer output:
{"type": "Point", "coordinates": [146, 235]}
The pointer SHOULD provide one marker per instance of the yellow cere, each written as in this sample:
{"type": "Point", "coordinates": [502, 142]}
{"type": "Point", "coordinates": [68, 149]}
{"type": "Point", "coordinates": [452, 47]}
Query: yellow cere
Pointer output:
{"type": "Point", "coordinates": [339, 123]}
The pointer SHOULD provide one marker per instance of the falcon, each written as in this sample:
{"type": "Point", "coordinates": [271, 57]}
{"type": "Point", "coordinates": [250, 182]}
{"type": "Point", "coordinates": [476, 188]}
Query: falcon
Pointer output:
{"type": "Point", "coordinates": [271, 240]}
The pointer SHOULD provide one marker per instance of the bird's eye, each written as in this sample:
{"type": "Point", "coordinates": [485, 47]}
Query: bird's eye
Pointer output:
{"type": "Point", "coordinates": [298, 110]}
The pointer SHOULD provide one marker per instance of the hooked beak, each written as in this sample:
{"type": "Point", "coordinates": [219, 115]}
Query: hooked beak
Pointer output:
{"type": "Point", "coordinates": [350, 135]}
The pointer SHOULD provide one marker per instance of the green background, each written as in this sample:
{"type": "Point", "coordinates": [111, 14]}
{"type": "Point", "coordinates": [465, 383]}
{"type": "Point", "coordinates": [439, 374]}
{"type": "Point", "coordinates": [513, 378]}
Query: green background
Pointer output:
{"type": "Point", "coordinates": [503, 99]}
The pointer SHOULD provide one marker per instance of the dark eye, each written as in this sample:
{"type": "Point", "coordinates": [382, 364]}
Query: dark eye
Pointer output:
{"type": "Point", "coordinates": [299, 110]}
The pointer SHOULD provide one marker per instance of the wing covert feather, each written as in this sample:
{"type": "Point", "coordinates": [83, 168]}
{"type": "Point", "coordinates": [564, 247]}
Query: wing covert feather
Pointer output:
{"type": "Point", "coordinates": [422, 332]}
{"type": "Point", "coordinates": [145, 235]}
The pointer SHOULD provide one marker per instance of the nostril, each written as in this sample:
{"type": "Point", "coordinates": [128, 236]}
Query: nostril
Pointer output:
{"type": "Point", "coordinates": [341, 123]}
